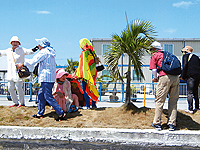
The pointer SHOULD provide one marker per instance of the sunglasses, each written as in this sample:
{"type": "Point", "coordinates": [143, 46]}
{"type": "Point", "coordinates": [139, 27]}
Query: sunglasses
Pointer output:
{"type": "Point", "coordinates": [184, 52]}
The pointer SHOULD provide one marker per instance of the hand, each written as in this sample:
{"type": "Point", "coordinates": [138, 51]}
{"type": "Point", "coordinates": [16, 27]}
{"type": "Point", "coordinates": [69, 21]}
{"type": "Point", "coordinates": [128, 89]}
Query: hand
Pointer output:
{"type": "Point", "coordinates": [181, 78]}
{"type": "Point", "coordinates": [155, 79]}
{"type": "Point", "coordinates": [19, 66]}
{"type": "Point", "coordinates": [35, 48]}
{"type": "Point", "coordinates": [60, 94]}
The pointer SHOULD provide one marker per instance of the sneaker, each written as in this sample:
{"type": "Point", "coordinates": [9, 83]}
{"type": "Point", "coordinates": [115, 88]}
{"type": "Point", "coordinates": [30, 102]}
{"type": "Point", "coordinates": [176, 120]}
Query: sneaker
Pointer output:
{"type": "Point", "coordinates": [189, 111]}
{"type": "Point", "coordinates": [157, 127]}
{"type": "Point", "coordinates": [171, 127]}
{"type": "Point", "coordinates": [14, 105]}
{"type": "Point", "coordinates": [20, 106]}
{"type": "Point", "coordinates": [37, 116]}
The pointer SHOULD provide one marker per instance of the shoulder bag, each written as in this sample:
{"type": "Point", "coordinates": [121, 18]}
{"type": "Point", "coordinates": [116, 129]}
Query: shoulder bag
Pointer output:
{"type": "Point", "coordinates": [23, 72]}
{"type": "Point", "coordinates": [99, 66]}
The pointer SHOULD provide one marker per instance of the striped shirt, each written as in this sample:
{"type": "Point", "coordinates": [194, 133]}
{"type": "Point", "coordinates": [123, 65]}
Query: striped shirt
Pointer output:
{"type": "Point", "coordinates": [47, 64]}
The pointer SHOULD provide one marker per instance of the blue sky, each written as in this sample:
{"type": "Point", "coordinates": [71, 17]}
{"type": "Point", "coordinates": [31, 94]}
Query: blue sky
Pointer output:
{"type": "Point", "coordinates": [65, 22]}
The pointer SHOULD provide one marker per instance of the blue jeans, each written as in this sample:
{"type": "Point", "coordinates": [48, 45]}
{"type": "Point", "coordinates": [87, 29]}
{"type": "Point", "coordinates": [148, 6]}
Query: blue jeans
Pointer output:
{"type": "Point", "coordinates": [86, 97]}
{"type": "Point", "coordinates": [45, 95]}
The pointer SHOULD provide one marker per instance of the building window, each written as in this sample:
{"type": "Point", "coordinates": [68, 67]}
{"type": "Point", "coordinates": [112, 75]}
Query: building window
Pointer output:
{"type": "Point", "coordinates": [106, 72]}
{"type": "Point", "coordinates": [169, 48]}
{"type": "Point", "coordinates": [105, 48]}
{"type": "Point", "coordinates": [135, 78]}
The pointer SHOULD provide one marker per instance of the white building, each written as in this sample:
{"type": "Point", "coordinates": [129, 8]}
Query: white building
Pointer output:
{"type": "Point", "coordinates": [173, 45]}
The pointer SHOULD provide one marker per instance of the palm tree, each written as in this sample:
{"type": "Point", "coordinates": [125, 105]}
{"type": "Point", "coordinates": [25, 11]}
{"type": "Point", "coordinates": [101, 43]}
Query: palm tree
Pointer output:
{"type": "Point", "coordinates": [133, 42]}
{"type": "Point", "coordinates": [71, 66]}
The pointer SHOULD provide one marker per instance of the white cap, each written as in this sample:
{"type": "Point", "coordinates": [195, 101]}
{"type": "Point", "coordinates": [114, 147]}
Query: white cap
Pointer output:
{"type": "Point", "coordinates": [156, 45]}
{"type": "Point", "coordinates": [15, 38]}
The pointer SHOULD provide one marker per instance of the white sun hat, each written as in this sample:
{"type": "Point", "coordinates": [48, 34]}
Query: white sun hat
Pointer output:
{"type": "Point", "coordinates": [15, 38]}
{"type": "Point", "coordinates": [156, 45]}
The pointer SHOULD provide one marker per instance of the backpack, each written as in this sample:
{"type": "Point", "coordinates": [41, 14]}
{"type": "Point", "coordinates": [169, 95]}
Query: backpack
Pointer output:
{"type": "Point", "coordinates": [170, 64]}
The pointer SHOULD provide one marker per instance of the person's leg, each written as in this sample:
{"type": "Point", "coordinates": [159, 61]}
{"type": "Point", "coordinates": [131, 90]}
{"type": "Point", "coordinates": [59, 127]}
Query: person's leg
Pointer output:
{"type": "Point", "coordinates": [196, 92]}
{"type": "Point", "coordinates": [47, 89]}
{"type": "Point", "coordinates": [86, 97]}
{"type": "Point", "coordinates": [41, 100]}
{"type": "Point", "coordinates": [75, 100]}
{"type": "Point", "coordinates": [190, 87]}
{"type": "Point", "coordinates": [94, 104]}
{"type": "Point", "coordinates": [20, 92]}
{"type": "Point", "coordinates": [11, 89]}
{"type": "Point", "coordinates": [161, 94]}
{"type": "Point", "coordinates": [173, 99]}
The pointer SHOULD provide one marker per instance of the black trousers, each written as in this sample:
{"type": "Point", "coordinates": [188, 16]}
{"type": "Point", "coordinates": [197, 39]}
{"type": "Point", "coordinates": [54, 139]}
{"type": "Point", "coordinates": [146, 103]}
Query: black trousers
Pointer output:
{"type": "Point", "coordinates": [193, 92]}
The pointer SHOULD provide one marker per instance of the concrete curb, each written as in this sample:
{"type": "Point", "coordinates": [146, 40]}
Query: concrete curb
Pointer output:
{"type": "Point", "coordinates": [146, 137]}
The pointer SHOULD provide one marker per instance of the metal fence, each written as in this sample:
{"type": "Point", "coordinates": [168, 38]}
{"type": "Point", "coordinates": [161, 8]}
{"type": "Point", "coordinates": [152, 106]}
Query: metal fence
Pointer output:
{"type": "Point", "coordinates": [115, 92]}
{"type": "Point", "coordinates": [112, 92]}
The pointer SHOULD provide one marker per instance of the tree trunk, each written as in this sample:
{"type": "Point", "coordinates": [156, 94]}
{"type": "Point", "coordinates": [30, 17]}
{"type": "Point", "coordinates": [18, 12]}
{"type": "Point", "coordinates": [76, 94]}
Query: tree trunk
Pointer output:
{"type": "Point", "coordinates": [128, 89]}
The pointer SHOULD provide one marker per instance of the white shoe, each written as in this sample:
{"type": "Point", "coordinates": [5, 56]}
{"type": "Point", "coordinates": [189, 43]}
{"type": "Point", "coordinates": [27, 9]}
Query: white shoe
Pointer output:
{"type": "Point", "coordinates": [189, 111]}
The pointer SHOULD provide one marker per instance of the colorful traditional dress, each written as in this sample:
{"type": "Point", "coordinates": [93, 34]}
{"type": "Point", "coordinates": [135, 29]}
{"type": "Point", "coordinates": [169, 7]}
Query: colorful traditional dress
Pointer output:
{"type": "Point", "coordinates": [87, 68]}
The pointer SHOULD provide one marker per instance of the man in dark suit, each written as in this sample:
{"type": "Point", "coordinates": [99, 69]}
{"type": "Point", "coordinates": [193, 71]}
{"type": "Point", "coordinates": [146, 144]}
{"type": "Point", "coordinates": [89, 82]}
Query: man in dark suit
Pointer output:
{"type": "Point", "coordinates": [191, 74]}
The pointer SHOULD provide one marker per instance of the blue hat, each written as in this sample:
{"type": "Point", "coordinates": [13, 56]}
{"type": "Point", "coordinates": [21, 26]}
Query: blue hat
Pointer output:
{"type": "Point", "coordinates": [44, 42]}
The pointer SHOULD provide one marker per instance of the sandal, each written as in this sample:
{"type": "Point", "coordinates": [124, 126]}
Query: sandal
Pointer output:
{"type": "Point", "coordinates": [62, 117]}
{"type": "Point", "coordinates": [36, 116]}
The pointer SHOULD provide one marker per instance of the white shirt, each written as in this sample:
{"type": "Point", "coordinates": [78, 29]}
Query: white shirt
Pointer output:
{"type": "Point", "coordinates": [18, 54]}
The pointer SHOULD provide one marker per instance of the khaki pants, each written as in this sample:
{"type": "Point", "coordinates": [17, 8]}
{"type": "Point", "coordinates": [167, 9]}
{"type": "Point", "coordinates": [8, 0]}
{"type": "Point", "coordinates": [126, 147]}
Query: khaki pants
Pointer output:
{"type": "Point", "coordinates": [168, 84]}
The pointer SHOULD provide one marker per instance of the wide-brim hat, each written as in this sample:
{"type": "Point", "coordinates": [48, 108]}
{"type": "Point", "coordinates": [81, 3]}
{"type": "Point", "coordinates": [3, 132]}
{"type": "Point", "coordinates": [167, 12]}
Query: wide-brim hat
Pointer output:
{"type": "Point", "coordinates": [15, 38]}
{"type": "Point", "coordinates": [44, 42]}
{"type": "Point", "coordinates": [60, 73]}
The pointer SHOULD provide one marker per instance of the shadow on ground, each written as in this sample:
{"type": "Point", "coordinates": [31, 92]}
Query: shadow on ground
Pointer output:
{"type": "Point", "coordinates": [184, 121]}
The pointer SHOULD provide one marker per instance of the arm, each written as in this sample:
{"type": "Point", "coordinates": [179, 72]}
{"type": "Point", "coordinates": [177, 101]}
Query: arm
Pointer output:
{"type": "Point", "coordinates": [185, 67]}
{"type": "Point", "coordinates": [3, 53]}
{"type": "Point", "coordinates": [67, 90]}
{"type": "Point", "coordinates": [153, 67]}
{"type": "Point", "coordinates": [30, 51]}
{"type": "Point", "coordinates": [36, 59]}
{"type": "Point", "coordinates": [155, 77]}
{"type": "Point", "coordinates": [32, 62]}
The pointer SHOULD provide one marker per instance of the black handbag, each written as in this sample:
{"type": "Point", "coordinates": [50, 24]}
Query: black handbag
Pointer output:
{"type": "Point", "coordinates": [99, 66]}
{"type": "Point", "coordinates": [24, 72]}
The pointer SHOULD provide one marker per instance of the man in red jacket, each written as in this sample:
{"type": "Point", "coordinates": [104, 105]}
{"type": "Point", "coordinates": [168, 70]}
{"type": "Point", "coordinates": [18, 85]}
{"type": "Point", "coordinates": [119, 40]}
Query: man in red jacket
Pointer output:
{"type": "Point", "coordinates": [167, 84]}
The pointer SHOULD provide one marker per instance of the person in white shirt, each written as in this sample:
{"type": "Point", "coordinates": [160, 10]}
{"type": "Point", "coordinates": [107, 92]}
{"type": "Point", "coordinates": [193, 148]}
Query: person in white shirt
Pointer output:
{"type": "Point", "coordinates": [46, 77]}
{"type": "Point", "coordinates": [17, 53]}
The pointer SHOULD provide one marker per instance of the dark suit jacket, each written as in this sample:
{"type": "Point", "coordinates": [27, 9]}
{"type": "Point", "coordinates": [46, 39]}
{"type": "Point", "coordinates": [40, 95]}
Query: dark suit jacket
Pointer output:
{"type": "Point", "coordinates": [190, 67]}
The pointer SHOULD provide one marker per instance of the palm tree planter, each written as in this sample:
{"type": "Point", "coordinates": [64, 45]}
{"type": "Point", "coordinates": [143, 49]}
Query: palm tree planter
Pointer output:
{"type": "Point", "coordinates": [133, 95]}
{"type": "Point", "coordinates": [133, 41]}
{"type": "Point", "coordinates": [114, 96]}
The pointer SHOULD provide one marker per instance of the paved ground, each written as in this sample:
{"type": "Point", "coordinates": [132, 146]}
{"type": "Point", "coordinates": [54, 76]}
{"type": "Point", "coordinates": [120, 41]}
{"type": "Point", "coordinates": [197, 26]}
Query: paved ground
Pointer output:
{"type": "Point", "coordinates": [182, 103]}
{"type": "Point", "coordinates": [135, 137]}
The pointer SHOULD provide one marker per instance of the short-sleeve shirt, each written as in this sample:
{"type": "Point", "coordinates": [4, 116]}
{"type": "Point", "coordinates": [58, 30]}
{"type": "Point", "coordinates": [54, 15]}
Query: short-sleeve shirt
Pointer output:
{"type": "Point", "coordinates": [156, 60]}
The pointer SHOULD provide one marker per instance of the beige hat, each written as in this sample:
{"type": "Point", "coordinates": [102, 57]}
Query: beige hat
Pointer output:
{"type": "Point", "coordinates": [187, 49]}
{"type": "Point", "coordinates": [15, 38]}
